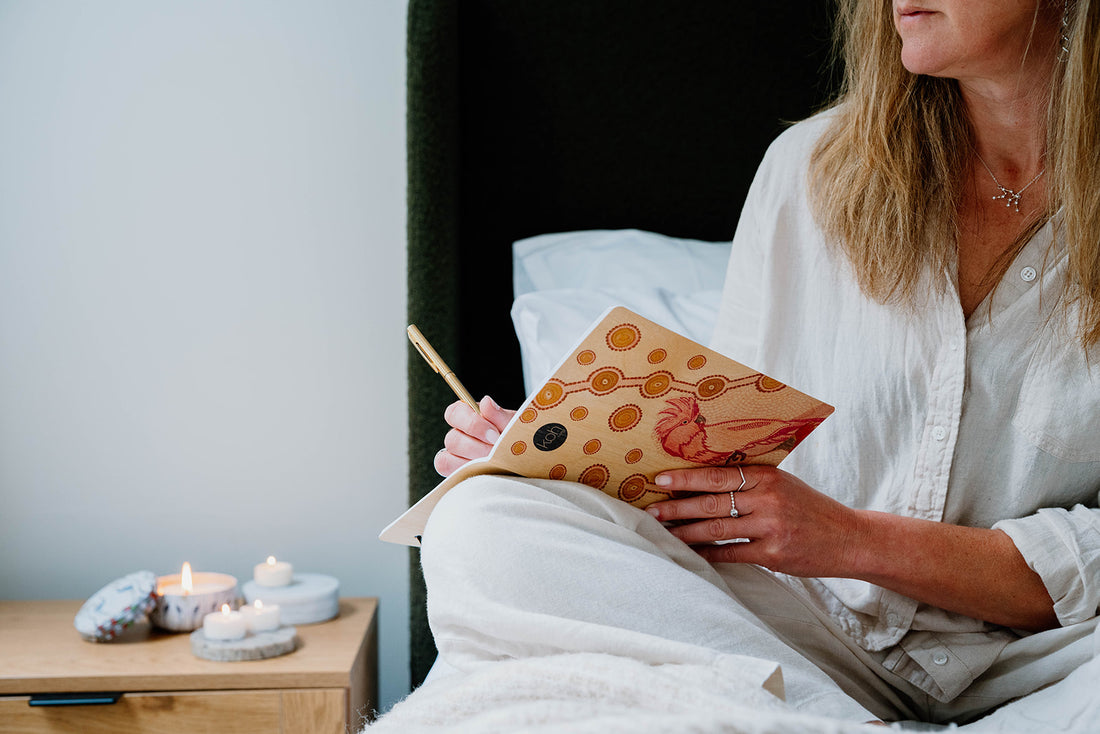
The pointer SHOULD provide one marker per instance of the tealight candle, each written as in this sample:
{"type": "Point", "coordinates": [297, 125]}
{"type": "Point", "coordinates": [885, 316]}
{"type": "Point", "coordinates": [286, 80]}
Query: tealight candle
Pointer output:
{"type": "Point", "coordinates": [273, 573]}
{"type": "Point", "coordinates": [261, 617]}
{"type": "Point", "coordinates": [224, 625]}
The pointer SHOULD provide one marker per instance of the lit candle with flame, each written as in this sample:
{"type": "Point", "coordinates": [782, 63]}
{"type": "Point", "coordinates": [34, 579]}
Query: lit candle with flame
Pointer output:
{"type": "Point", "coordinates": [273, 573]}
{"type": "Point", "coordinates": [183, 598]}
{"type": "Point", "coordinates": [261, 617]}
{"type": "Point", "coordinates": [224, 625]}
{"type": "Point", "coordinates": [187, 583]}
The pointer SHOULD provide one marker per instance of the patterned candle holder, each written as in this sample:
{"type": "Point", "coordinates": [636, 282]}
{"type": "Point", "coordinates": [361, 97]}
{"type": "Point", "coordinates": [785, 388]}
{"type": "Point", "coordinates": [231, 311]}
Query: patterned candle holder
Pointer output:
{"type": "Point", "coordinates": [181, 610]}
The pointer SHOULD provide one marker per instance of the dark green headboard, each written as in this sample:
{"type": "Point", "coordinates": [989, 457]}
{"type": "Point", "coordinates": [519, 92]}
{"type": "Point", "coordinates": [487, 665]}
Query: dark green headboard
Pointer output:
{"type": "Point", "coordinates": [535, 116]}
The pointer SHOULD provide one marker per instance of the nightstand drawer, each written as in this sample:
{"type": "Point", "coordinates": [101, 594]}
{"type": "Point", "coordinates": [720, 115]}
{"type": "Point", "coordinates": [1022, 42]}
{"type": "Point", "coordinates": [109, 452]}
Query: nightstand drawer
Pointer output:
{"type": "Point", "coordinates": [241, 712]}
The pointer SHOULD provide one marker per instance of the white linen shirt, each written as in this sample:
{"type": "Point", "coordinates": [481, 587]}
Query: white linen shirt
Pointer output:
{"type": "Point", "coordinates": [989, 421]}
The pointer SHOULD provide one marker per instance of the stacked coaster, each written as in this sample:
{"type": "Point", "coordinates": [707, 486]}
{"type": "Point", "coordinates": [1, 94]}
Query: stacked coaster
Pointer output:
{"type": "Point", "coordinates": [308, 598]}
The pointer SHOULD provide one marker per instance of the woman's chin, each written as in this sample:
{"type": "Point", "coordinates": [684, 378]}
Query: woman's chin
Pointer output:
{"type": "Point", "coordinates": [917, 61]}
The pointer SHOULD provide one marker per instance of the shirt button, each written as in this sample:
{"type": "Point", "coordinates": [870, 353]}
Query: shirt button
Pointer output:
{"type": "Point", "coordinates": [940, 658]}
{"type": "Point", "coordinates": [1028, 274]}
{"type": "Point", "coordinates": [939, 433]}
{"type": "Point", "coordinates": [893, 620]}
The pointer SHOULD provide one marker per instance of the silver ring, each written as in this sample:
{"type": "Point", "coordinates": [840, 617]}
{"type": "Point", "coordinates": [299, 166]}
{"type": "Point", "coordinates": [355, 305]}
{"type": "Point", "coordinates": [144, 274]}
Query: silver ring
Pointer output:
{"type": "Point", "coordinates": [733, 503]}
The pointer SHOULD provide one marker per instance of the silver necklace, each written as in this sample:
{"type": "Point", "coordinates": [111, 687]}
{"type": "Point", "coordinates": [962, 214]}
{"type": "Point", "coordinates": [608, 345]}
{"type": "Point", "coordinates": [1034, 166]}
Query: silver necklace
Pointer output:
{"type": "Point", "coordinates": [1011, 197]}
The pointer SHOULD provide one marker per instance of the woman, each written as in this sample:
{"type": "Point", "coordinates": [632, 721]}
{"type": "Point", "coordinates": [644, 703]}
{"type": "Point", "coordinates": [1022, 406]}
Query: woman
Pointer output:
{"type": "Point", "coordinates": [925, 256]}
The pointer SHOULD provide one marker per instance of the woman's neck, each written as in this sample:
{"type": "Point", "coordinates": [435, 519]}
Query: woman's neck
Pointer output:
{"type": "Point", "coordinates": [1008, 117]}
{"type": "Point", "coordinates": [1009, 132]}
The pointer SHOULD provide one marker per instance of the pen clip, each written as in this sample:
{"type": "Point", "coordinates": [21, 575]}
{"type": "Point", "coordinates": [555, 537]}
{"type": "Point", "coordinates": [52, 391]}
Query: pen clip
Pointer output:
{"type": "Point", "coordinates": [427, 357]}
{"type": "Point", "coordinates": [425, 349]}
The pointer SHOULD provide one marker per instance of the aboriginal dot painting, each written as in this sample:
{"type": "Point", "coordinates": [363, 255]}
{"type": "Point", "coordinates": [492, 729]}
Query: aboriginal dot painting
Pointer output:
{"type": "Point", "coordinates": [635, 399]}
{"type": "Point", "coordinates": [632, 400]}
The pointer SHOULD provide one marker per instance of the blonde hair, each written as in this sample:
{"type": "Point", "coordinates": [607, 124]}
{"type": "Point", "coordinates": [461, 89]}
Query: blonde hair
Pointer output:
{"type": "Point", "coordinates": [886, 177]}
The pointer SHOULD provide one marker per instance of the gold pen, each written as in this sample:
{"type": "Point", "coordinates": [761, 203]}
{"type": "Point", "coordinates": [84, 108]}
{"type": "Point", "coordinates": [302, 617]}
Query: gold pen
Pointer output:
{"type": "Point", "coordinates": [432, 357]}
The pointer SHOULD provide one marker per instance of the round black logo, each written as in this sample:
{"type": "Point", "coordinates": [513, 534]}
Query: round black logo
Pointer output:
{"type": "Point", "coordinates": [550, 437]}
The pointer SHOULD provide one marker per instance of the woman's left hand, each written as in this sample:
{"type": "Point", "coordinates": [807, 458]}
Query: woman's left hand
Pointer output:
{"type": "Point", "coordinates": [791, 527]}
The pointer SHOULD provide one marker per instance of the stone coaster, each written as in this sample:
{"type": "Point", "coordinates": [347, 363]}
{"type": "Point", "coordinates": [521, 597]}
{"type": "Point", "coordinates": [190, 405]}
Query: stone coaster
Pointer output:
{"type": "Point", "coordinates": [254, 646]}
{"type": "Point", "coordinates": [308, 598]}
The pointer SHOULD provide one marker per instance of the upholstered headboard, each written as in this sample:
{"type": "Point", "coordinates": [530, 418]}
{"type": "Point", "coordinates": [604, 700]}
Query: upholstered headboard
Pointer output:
{"type": "Point", "coordinates": [536, 116]}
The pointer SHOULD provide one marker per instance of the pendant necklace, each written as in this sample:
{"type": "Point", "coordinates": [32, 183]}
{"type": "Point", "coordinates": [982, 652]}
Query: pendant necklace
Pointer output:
{"type": "Point", "coordinates": [1011, 197]}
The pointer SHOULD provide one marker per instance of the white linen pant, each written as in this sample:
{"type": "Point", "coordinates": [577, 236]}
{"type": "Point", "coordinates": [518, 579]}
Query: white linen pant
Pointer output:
{"type": "Point", "coordinates": [518, 568]}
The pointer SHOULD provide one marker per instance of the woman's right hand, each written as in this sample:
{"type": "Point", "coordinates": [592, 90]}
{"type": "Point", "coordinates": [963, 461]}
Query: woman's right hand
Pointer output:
{"type": "Point", "coordinates": [471, 436]}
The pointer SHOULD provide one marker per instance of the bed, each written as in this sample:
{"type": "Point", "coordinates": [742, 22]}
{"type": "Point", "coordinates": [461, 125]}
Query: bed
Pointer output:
{"type": "Point", "coordinates": [528, 117]}
{"type": "Point", "coordinates": [552, 126]}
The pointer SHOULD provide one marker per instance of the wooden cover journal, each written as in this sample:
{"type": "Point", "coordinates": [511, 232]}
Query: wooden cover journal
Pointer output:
{"type": "Point", "coordinates": [631, 400]}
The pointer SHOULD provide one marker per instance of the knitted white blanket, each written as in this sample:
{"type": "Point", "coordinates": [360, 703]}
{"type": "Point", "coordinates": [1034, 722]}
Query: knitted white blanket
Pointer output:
{"type": "Point", "coordinates": [589, 693]}
{"type": "Point", "coordinates": [584, 693]}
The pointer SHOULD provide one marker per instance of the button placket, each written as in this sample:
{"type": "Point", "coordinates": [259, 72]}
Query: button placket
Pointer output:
{"type": "Point", "coordinates": [944, 409]}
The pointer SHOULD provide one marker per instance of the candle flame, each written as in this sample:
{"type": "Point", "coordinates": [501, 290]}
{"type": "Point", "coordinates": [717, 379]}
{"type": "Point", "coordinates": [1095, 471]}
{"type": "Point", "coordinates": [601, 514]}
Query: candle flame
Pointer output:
{"type": "Point", "coordinates": [185, 578]}
{"type": "Point", "coordinates": [259, 604]}
{"type": "Point", "coordinates": [271, 560]}
{"type": "Point", "coordinates": [225, 609]}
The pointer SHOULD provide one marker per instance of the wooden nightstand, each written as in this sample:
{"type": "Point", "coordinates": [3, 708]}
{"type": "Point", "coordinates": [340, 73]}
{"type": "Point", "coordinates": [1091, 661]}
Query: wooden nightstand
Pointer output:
{"type": "Point", "coordinates": [323, 686]}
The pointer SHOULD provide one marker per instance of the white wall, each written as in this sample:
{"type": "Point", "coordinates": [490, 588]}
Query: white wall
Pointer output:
{"type": "Point", "coordinates": [202, 354]}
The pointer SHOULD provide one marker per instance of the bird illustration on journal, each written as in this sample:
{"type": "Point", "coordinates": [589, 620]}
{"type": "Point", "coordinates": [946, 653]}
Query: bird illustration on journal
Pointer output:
{"type": "Point", "coordinates": [684, 432]}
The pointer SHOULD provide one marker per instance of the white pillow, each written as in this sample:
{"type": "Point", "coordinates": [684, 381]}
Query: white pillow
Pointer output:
{"type": "Point", "coordinates": [549, 323]}
{"type": "Point", "coordinates": [617, 259]}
